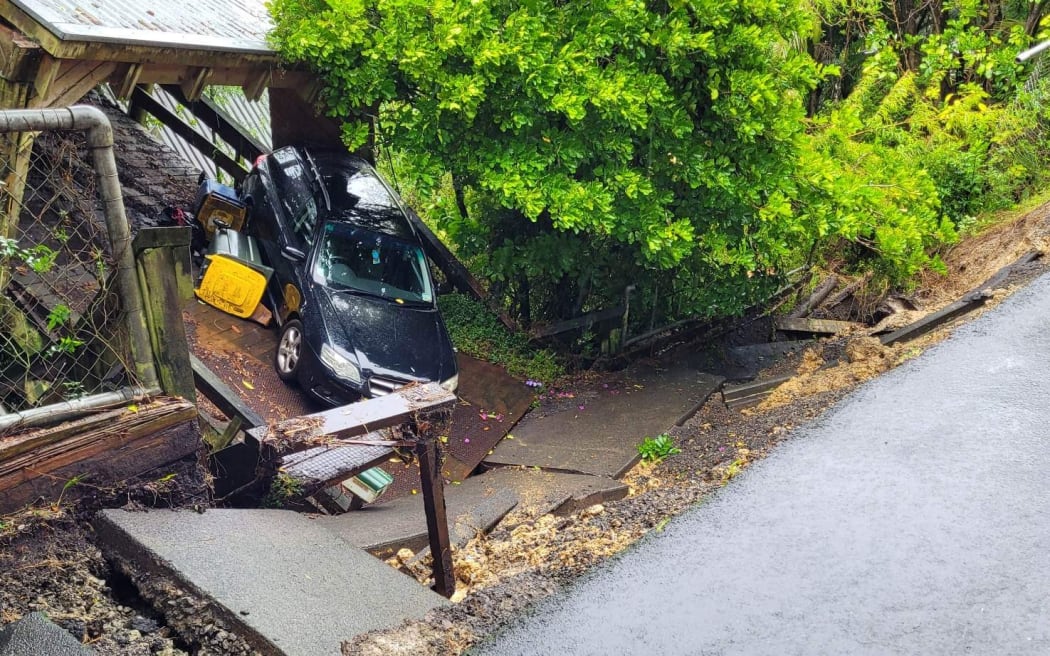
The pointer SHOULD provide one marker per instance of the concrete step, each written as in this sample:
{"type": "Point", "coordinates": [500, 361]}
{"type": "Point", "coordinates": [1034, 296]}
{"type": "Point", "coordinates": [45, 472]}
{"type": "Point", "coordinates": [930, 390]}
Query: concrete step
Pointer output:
{"type": "Point", "coordinates": [280, 580]}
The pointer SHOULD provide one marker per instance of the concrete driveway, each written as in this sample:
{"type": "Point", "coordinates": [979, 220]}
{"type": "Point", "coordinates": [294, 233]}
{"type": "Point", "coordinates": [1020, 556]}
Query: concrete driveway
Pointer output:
{"type": "Point", "coordinates": [914, 518]}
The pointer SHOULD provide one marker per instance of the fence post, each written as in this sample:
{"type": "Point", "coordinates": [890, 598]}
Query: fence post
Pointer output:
{"type": "Point", "coordinates": [434, 508]}
{"type": "Point", "coordinates": [164, 275]}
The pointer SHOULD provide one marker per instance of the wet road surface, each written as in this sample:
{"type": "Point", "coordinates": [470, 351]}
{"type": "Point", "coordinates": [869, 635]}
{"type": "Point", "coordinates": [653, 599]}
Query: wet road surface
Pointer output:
{"type": "Point", "coordinates": [914, 518]}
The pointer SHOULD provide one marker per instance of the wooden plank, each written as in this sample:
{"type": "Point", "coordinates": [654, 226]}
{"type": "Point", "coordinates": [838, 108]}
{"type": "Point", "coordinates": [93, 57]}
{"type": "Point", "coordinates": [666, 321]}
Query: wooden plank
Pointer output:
{"type": "Point", "coordinates": [323, 466]}
{"type": "Point", "coordinates": [407, 404]}
{"type": "Point", "coordinates": [159, 277]}
{"type": "Point", "coordinates": [216, 118]}
{"type": "Point", "coordinates": [145, 101]}
{"type": "Point", "coordinates": [849, 290]}
{"type": "Point", "coordinates": [101, 460]}
{"type": "Point", "coordinates": [734, 392]}
{"type": "Point", "coordinates": [14, 445]}
{"type": "Point", "coordinates": [437, 518]}
{"type": "Point", "coordinates": [132, 424]}
{"type": "Point", "coordinates": [193, 83]}
{"type": "Point", "coordinates": [968, 303]}
{"type": "Point", "coordinates": [816, 298]}
{"type": "Point", "coordinates": [820, 326]}
{"type": "Point", "coordinates": [73, 82]}
{"type": "Point", "coordinates": [219, 393]}
{"type": "Point", "coordinates": [582, 321]}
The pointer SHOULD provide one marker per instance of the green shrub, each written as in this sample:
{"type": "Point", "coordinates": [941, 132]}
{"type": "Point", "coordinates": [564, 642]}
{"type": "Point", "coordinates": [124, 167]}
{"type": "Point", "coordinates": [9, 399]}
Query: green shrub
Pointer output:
{"type": "Point", "coordinates": [476, 331]}
{"type": "Point", "coordinates": [655, 449]}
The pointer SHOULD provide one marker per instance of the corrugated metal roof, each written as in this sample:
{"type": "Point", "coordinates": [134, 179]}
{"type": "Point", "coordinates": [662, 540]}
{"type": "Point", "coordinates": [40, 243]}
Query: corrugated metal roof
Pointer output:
{"type": "Point", "coordinates": [220, 25]}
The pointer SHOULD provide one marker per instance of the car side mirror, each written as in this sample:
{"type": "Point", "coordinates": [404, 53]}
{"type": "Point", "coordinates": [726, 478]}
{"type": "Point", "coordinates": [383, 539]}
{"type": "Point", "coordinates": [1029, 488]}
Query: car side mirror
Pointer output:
{"type": "Point", "coordinates": [293, 254]}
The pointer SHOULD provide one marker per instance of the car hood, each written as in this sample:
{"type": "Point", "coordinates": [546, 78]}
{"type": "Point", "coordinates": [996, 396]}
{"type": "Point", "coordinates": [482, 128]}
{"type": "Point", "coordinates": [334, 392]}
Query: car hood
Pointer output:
{"type": "Point", "coordinates": [405, 341]}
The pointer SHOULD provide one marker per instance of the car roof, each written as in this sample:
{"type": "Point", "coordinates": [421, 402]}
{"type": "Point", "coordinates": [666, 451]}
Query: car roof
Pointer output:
{"type": "Point", "coordinates": [358, 195]}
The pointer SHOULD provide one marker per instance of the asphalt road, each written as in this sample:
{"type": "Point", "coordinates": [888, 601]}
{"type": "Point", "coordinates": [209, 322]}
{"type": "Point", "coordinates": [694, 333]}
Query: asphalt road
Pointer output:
{"type": "Point", "coordinates": [914, 518]}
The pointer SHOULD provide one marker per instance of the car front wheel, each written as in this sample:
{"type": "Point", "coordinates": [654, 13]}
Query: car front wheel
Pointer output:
{"type": "Point", "coordinates": [289, 351]}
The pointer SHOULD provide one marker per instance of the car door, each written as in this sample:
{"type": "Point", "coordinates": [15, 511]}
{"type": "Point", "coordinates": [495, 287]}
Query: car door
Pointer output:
{"type": "Point", "coordinates": [269, 227]}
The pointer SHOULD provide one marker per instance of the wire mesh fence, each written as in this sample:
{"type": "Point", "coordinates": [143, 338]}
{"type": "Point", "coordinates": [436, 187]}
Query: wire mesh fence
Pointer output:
{"type": "Point", "coordinates": [62, 329]}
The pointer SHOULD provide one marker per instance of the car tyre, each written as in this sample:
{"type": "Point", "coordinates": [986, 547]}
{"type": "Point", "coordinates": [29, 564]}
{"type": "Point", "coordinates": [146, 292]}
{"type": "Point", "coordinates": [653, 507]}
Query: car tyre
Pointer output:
{"type": "Point", "coordinates": [290, 349]}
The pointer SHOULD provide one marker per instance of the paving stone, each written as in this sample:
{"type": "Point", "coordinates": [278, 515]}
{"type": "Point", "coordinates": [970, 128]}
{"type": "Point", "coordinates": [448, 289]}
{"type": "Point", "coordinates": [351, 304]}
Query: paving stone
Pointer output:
{"type": "Point", "coordinates": [602, 438]}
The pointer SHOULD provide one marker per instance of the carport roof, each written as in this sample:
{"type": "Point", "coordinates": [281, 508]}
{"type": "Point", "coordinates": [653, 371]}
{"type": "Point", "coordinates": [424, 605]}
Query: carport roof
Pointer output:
{"type": "Point", "coordinates": [238, 26]}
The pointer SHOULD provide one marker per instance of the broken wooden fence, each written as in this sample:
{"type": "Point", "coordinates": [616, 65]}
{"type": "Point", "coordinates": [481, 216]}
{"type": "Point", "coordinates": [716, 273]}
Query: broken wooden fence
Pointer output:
{"type": "Point", "coordinates": [304, 455]}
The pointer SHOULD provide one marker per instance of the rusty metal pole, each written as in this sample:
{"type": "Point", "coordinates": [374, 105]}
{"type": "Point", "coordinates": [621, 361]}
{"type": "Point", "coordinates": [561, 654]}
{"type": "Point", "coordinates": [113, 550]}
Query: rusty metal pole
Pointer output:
{"type": "Point", "coordinates": [437, 519]}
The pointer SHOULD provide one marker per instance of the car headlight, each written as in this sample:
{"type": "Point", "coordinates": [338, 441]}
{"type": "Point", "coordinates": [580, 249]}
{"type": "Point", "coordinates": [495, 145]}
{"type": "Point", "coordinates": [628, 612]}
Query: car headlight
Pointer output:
{"type": "Point", "coordinates": [341, 365]}
{"type": "Point", "coordinates": [451, 384]}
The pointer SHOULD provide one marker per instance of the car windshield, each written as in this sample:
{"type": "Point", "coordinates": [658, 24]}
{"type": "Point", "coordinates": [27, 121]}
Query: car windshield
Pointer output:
{"type": "Point", "coordinates": [352, 258]}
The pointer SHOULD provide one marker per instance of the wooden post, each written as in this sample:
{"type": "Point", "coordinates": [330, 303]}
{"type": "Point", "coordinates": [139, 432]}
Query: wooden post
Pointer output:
{"type": "Point", "coordinates": [164, 275]}
{"type": "Point", "coordinates": [437, 520]}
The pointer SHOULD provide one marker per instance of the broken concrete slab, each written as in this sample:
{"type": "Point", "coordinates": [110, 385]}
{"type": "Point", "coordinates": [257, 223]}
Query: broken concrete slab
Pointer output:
{"type": "Point", "coordinates": [279, 579]}
{"type": "Point", "coordinates": [817, 326]}
{"type": "Point", "coordinates": [36, 634]}
{"type": "Point", "coordinates": [473, 506]}
{"type": "Point", "coordinates": [546, 492]}
{"type": "Point", "coordinates": [602, 436]}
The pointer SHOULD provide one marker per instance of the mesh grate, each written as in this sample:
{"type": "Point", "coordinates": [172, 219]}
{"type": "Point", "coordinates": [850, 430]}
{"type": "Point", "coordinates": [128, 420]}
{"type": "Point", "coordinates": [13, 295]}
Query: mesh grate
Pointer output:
{"type": "Point", "coordinates": [62, 330]}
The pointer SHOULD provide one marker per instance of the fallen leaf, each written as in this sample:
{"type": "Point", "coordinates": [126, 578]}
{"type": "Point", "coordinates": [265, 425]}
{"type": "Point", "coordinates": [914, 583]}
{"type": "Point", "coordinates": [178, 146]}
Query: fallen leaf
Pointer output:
{"type": "Point", "coordinates": [133, 408]}
{"type": "Point", "coordinates": [247, 384]}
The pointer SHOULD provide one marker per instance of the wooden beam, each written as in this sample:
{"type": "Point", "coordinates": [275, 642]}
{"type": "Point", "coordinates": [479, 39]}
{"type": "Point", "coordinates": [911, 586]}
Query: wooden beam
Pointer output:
{"type": "Point", "coordinates": [582, 321]}
{"type": "Point", "coordinates": [193, 85]}
{"type": "Point", "coordinates": [254, 89]}
{"type": "Point", "coordinates": [295, 121]}
{"type": "Point", "coordinates": [19, 56]}
{"type": "Point", "coordinates": [164, 276]}
{"type": "Point", "coordinates": [849, 290]}
{"type": "Point", "coordinates": [101, 457]}
{"type": "Point", "coordinates": [819, 326]}
{"type": "Point", "coordinates": [1000, 276]}
{"type": "Point", "coordinates": [149, 104]}
{"type": "Point", "coordinates": [437, 518]}
{"type": "Point", "coordinates": [968, 303]}
{"type": "Point", "coordinates": [215, 117]}
{"type": "Point", "coordinates": [219, 393]}
{"type": "Point", "coordinates": [127, 81]}
{"type": "Point", "coordinates": [816, 298]}
{"type": "Point", "coordinates": [407, 404]}
{"type": "Point", "coordinates": [457, 274]}
{"type": "Point", "coordinates": [45, 76]}
{"type": "Point", "coordinates": [73, 82]}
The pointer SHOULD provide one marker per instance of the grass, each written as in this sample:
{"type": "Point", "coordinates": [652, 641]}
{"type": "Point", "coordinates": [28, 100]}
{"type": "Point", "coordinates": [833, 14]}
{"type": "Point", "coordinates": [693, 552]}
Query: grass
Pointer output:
{"type": "Point", "coordinates": [477, 332]}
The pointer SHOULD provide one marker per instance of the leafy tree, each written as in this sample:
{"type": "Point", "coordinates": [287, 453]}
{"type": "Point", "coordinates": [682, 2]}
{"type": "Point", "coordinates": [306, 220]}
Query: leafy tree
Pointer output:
{"type": "Point", "coordinates": [589, 144]}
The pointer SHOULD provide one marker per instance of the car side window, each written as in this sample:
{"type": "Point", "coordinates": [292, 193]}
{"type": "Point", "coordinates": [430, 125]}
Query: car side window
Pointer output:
{"type": "Point", "coordinates": [262, 221]}
{"type": "Point", "coordinates": [297, 200]}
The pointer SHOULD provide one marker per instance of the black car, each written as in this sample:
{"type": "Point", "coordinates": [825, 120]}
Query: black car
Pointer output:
{"type": "Point", "coordinates": [351, 290]}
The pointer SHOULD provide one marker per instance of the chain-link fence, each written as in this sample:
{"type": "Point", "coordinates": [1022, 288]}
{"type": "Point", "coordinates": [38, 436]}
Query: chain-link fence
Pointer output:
{"type": "Point", "coordinates": [62, 331]}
